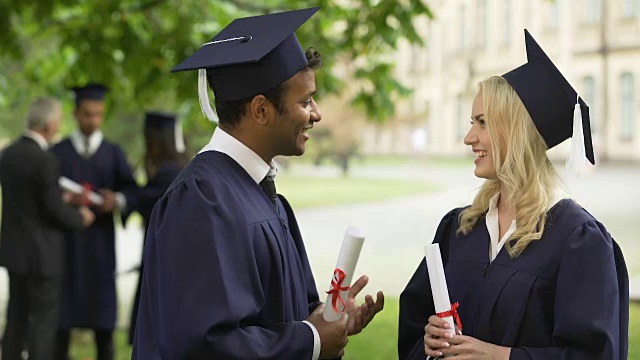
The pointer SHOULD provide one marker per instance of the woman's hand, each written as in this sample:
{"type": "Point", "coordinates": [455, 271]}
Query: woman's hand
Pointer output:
{"type": "Point", "coordinates": [466, 348]}
{"type": "Point", "coordinates": [436, 336]}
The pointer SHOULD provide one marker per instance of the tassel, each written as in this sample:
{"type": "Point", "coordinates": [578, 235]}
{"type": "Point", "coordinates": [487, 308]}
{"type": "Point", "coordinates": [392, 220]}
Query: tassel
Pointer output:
{"type": "Point", "coordinates": [577, 159]}
{"type": "Point", "coordinates": [203, 96]}
{"type": "Point", "coordinates": [179, 139]}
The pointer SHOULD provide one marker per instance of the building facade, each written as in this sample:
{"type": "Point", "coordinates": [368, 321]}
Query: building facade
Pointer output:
{"type": "Point", "coordinates": [595, 43]}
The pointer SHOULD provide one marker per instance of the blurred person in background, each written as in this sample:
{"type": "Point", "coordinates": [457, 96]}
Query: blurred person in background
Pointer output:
{"type": "Point", "coordinates": [86, 157]}
{"type": "Point", "coordinates": [164, 158]}
{"type": "Point", "coordinates": [34, 219]}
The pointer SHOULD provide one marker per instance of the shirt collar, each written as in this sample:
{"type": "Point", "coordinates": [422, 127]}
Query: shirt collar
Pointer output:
{"type": "Point", "coordinates": [78, 141]}
{"type": "Point", "coordinates": [39, 139]}
{"type": "Point", "coordinates": [555, 198]}
{"type": "Point", "coordinates": [251, 162]}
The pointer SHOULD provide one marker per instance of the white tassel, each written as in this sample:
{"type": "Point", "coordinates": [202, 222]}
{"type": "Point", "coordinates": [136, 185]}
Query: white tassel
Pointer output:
{"type": "Point", "coordinates": [577, 159]}
{"type": "Point", "coordinates": [179, 139]}
{"type": "Point", "coordinates": [203, 96]}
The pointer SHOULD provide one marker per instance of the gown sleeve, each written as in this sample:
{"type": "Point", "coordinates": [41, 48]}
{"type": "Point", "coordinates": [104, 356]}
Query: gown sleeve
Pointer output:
{"type": "Point", "coordinates": [591, 306]}
{"type": "Point", "coordinates": [201, 291]}
{"type": "Point", "coordinates": [125, 184]}
{"type": "Point", "coordinates": [416, 302]}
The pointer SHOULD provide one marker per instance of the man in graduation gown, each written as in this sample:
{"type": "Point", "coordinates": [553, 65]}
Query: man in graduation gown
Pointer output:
{"type": "Point", "coordinates": [89, 297]}
{"type": "Point", "coordinates": [226, 272]}
{"type": "Point", "coordinates": [164, 158]}
{"type": "Point", "coordinates": [34, 219]}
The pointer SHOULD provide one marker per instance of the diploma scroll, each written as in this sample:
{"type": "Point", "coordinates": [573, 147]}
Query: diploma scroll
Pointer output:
{"type": "Point", "coordinates": [73, 187]}
{"type": "Point", "coordinates": [343, 273]}
{"type": "Point", "coordinates": [439, 289]}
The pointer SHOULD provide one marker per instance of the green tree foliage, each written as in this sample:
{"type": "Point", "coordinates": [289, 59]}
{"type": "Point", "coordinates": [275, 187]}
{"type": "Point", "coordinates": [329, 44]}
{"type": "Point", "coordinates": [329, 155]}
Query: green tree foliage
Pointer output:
{"type": "Point", "coordinates": [48, 46]}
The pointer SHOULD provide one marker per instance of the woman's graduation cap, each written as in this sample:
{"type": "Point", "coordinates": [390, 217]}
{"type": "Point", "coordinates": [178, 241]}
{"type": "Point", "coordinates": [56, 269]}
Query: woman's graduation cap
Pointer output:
{"type": "Point", "coordinates": [90, 92]}
{"type": "Point", "coordinates": [156, 121]}
{"type": "Point", "coordinates": [248, 57]}
{"type": "Point", "coordinates": [555, 107]}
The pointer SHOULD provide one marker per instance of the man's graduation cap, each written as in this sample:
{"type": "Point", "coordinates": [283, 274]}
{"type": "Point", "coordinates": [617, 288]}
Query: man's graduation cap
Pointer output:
{"type": "Point", "coordinates": [155, 121]}
{"type": "Point", "coordinates": [250, 56]}
{"type": "Point", "coordinates": [90, 92]}
{"type": "Point", "coordinates": [555, 107]}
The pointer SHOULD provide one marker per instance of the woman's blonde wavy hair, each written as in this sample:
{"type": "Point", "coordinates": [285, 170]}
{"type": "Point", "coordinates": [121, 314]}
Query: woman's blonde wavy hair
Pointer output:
{"type": "Point", "coordinates": [526, 173]}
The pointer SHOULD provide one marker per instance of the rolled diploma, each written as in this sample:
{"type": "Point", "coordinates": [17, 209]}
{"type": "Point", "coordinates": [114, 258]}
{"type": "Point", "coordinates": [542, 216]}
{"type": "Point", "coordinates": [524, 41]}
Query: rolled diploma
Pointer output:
{"type": "Point", "coordinates": [72, 186]}
{"type": "Point", "coordinates": [439, 288]}
{"type": "Point", "coordinates": [347, 260]}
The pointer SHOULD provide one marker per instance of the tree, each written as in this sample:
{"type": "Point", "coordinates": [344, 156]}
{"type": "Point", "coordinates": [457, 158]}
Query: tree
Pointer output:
{"type": "Point", "coordinates": [131, 45]}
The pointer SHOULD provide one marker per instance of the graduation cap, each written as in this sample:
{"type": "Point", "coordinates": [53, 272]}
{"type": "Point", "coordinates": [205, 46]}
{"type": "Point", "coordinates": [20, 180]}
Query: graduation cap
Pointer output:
{"type": "Point", "coordinates": [90, 92]}
{"type": "Point", "coordinates": [248, 57]}
{"type": "Point", "coordinates": [161, 121]}
{"type": "Point", "coordinates": [555, 107]}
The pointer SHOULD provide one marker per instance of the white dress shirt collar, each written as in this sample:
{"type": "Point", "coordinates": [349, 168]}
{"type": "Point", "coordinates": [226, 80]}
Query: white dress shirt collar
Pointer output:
{"type": "Point", "coordinates": [251, 162]}
{"type": "Point", "coordinates": [39, 139]}
{"type": "Point", "coordinates": [78, 142]}
{"type": "Point", "coordinates": [493, 226]}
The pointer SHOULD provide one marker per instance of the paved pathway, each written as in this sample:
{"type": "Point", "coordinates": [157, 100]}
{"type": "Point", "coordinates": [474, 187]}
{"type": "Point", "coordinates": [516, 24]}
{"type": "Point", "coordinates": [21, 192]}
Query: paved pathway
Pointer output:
{"type": "Point", "coordinates": [397, 230]}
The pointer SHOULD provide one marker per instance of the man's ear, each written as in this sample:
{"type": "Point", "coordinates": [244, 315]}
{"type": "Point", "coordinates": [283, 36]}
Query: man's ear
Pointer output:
{"type": "Point", "coordinates": [261, 109]}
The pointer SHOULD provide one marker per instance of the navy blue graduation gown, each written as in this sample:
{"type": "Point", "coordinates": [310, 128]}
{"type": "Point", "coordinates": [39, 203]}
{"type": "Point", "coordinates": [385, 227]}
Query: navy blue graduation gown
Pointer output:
{"type": "Point", "coordinates": [565, 297]}
{"type": "Point", "coordinates": [226, 274]}
{"type": "Point", "coordinates": [147, 198]}
{"type": "Point", "coordinates": [89, 294]}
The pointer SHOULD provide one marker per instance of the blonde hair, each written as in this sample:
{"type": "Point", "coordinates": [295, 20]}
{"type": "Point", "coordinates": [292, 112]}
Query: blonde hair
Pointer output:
{"type": "Point", "coordinates": [526, 172]}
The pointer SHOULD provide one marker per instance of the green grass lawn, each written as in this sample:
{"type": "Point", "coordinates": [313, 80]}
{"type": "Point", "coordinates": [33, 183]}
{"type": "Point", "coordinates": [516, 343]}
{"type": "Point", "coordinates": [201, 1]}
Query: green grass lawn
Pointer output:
{"type": "Point", "coordinates": [305, 192]}
{"type": "Point", "coordinates": [376, 342]}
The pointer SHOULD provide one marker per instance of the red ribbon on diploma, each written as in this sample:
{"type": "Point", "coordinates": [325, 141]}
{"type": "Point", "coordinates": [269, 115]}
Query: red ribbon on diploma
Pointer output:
{"type": "Point", "coordinates": [453, 312]}
{"type": "Point", "coordinates": [85, 194]}
{"type": "Point", "coordinates": [336, 288]}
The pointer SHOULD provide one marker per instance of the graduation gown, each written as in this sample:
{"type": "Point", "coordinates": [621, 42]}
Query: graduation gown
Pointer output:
{"type": "Point", "coordinates": [565, 297]}
{"type": "Point", "coordinates": [147, 198]}
{"type": "Point", "coordinates": [226, 274]}
{"type": "Point", "coordinates": [89, 295]}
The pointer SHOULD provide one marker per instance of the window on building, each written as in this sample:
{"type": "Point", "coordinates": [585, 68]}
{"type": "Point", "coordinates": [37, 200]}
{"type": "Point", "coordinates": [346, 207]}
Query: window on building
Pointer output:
{"type": "Point", "coordinates": [461, 117]}
{"type": "Point", "coordinates": [628, 118]}
{"type": "Point", "coordinates": [593, 11]}
{"type": "Point", "coordinates": [464, 39]}
{"type": "Point", "coordinates": [631, 8]}
{"type": "Point", "coordinates": [552, 20]}
{"type": "Point", "coordinates": [483, 21]}
{"type": "Point", "coordinates": [508, 22]}
{"type": "Point", "coordinates": [589, 97]}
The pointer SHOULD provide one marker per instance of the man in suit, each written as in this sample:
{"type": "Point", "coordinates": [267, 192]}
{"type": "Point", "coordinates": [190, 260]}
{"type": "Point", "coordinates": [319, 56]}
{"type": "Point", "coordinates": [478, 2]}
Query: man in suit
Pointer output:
{"type": "Point", "coordinates": [34, 217]}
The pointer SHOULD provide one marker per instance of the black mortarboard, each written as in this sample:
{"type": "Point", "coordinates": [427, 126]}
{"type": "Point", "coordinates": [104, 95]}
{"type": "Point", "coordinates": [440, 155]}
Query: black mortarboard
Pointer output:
{"type": "Point", "coordinates": [90, 92]}
{"type": "Point", "coordinates": [156, 121]}
{"type": "Point", "coordinates": [159, 120]}
{"type": "Point", "coordinates": [549, 98]}
{"type": "Point", "coordinates": [252, 55]}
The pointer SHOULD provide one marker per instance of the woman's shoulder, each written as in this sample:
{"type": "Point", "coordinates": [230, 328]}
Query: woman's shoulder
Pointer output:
{"type": "Point", "coordinates": [570, 214]}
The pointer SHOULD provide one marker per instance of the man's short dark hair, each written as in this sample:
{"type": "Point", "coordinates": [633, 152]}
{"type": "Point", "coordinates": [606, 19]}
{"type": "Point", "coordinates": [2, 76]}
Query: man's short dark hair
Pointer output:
{"type": "Point", "coordinates": [230, 112]}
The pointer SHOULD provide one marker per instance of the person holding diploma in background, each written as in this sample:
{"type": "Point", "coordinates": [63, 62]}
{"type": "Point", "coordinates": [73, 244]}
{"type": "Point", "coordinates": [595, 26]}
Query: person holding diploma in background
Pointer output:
{"type": "Point", "coordinates": [534, 274]}
{"type": "Point", "coordinates": [226, 272]}
{"type": "Point", "coordinates": [86, 157]}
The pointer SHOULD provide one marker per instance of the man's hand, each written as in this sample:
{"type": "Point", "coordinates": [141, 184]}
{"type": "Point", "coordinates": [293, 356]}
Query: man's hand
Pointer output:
{"type": "Point", "coordinates": [108, 201]}
{"type": "Point", "coordinates": [333, 335]}
{"type": "Point", "coordinates": [72, 199]}
{"type": "Point", "coordinates": [87, 216]}
{"type": "Point", "coordinates": [361, 316]}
